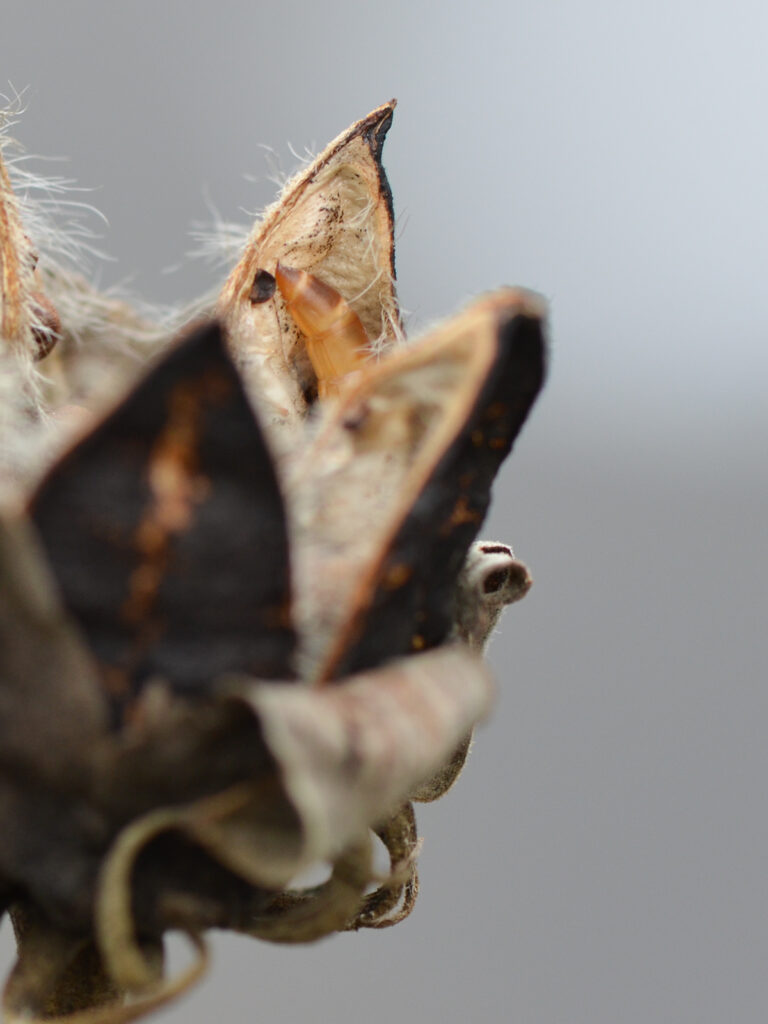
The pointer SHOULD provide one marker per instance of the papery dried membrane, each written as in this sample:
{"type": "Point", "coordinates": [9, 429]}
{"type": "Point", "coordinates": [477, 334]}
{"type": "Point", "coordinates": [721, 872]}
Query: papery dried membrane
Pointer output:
{"type": "Point", "coordinates": [345, 758]}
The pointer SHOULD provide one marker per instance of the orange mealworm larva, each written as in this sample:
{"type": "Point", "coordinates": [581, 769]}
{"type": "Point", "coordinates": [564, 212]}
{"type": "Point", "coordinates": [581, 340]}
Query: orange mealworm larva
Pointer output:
{"type": "Point", "coordinates": [336, 340]}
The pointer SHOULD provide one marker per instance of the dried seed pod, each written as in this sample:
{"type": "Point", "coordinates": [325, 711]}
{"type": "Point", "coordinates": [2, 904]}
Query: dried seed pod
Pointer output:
{"type": "Point", "coordinates": [166, 530]}
{"type": "Point", "coordinates": [173, 778]}
{"type": "Point", "coordinates": [393, 901]}
{"type": "Point", "coordinates": [398, 481]}
{"type": "Point", "coordinates": [334, 219]}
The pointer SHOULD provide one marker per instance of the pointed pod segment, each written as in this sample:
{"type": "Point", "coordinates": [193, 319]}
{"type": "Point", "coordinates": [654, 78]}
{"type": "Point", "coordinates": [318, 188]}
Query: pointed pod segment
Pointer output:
{"type": "Point", "coordinates": [166, 532]}
{"type": "Point", "coordinates": [334, 219]}
{"type": "Point", "coordinates": [406, 465]}
{"type": "Point", "coordinates": [432, 538]}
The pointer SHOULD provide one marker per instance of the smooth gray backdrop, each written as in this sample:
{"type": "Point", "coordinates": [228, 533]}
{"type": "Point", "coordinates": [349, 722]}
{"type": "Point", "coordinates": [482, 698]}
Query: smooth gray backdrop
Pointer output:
{"type": "Point", "coordinates": [603, 859]}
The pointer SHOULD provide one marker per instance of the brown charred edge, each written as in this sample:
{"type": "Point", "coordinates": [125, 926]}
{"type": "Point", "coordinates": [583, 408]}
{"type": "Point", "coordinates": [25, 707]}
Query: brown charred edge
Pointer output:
{"type": "Point", "coordinates": [375, 136]}
{"type": "Point", "coordinates": [209, 597]}
{"type": "Point", "coordinates": [372, 129]}
{"type": "Point", "coordinates": [410, 603]}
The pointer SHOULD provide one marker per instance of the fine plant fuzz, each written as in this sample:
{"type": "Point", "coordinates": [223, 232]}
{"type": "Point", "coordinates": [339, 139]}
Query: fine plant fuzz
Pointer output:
{"type": "Point", "coordinates": [243, 605]}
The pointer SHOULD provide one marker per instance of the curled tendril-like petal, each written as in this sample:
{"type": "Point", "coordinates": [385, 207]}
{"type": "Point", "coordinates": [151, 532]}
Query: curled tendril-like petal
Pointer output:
{"type": "Point", "coordinates": [394, 899]}
{"type": "Point", "coordinates": [304, 915]}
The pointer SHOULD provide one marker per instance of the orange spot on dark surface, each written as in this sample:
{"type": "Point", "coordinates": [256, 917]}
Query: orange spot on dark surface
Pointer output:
{"type": "Point", "coordinates": [396, 576]}
{"type": "Point", "coordinates": [496, 410]}
{"type": "Point", "coordinates": [176, 487]}
{"type": "Point", "coordinates": [462, 513]}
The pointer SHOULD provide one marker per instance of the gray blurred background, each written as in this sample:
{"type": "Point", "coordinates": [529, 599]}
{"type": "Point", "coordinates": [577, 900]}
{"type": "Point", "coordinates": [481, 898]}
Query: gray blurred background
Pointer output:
{"type": "Point", "coordinates": [603, 858]}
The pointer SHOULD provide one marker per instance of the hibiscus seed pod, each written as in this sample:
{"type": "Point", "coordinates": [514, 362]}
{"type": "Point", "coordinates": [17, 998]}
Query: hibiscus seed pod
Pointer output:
{"type": "Point", "coordinates": [284, 495]}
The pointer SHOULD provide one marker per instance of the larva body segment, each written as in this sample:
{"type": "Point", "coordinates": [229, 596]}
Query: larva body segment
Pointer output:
{"type": "Point", "coordinates": [337, 343]}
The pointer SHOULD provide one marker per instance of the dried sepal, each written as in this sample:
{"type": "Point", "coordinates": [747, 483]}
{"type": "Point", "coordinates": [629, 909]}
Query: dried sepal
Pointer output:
{"type": "Point", "coordinates": [395, 897]}
{"type": "Point", "coordinates": [51, 714]}
{"type": "Point", "coordinates": [60, 975]}
{"type": "Point", "coordinates": [437, 785]}
{"type": "Point", "coordinates": [347, 754]}
{"type": "Point", "coordinates": [344, 756]}
{"type": "Point", "coordinates": [490, 579]}
{"type": "Point", "coordinates": [334, 219]}
{"type": "Point", "coordinates": [57, 972]}
{"type": "Point", "coordinates": [341, 902]}
{"type": "Point", "coordinates": [38, 642]}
